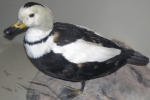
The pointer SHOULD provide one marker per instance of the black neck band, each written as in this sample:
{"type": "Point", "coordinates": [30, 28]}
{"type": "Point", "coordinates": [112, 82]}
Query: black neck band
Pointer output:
{"type": "Point", "coordinates": [36, 42]}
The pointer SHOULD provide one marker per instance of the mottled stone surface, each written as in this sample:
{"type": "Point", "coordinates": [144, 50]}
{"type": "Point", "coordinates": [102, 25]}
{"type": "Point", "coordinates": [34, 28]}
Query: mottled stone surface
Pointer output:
{"type": "Point", "coordinates": [130, 82]}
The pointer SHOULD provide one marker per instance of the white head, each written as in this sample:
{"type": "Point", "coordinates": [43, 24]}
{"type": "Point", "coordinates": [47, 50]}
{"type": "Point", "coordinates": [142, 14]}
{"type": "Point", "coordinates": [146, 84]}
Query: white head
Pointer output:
{"type": "Point", "coordinates": [36, 15]}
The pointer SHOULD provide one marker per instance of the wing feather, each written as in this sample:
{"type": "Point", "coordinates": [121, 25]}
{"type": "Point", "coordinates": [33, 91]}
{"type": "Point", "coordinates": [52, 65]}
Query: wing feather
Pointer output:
{"type": "Point", "coordinates": [79, 45]}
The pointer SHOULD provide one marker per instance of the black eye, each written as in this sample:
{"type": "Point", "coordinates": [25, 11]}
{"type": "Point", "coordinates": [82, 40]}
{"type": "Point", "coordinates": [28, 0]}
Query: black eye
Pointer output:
{"type": "Point", "coordinates": [31, 15]}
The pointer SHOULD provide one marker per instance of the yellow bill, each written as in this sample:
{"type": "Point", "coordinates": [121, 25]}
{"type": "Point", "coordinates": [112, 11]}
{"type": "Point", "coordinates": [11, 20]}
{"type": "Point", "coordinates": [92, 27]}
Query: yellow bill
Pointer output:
{"type": "Point", "coordinates": [19, 25]}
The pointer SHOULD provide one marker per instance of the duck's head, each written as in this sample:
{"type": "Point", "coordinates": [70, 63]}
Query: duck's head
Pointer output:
{"type": "Point", "coordinates": [32, 15]}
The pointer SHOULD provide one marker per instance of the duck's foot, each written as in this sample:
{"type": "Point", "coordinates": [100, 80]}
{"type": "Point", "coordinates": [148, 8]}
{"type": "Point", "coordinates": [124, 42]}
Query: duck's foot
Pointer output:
{"type": "Point", "coordinates": [69, 93]}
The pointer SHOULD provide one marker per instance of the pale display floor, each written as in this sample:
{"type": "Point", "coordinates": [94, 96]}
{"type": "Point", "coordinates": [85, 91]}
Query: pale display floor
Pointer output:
{"type": "Point", "coordinates": [16, 71]}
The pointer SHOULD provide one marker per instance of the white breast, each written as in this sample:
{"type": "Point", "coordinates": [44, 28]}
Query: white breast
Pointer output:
{"type": "Point", "coordinates": [32, 35]}
{"type": "Point", "coordinates": [38, 50]}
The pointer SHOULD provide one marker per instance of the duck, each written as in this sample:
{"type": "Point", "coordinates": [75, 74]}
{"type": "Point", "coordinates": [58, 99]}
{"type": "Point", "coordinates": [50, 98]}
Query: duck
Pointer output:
{"type": "Point", "coordinates": [67, 51]}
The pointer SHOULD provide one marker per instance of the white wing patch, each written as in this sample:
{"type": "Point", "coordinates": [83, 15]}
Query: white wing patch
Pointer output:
{"type": "Point", "coordinates": [82, 51]}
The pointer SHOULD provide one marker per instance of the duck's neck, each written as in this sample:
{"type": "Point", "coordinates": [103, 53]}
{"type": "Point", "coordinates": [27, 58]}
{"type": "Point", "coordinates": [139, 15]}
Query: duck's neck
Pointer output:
{"type": "Point", "coordinates": [35, 34]}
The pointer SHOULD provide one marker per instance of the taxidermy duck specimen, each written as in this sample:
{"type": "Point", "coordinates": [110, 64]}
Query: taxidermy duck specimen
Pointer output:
{"type": "Point", "coordinates": [69, 52]}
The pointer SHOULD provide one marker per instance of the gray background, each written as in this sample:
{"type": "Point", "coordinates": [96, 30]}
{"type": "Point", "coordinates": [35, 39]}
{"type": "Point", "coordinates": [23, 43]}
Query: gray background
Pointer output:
{"type": "Point", "coordinates": [125, 20]}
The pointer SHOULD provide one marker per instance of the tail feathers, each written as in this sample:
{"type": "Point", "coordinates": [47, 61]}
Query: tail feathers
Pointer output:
{"type": "Point", "coordinates": [138, 59]}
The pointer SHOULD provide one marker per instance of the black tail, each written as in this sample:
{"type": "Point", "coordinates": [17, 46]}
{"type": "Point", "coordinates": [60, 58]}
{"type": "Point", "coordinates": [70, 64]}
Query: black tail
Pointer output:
{"type": "Point", "coordinates": [138, 59]}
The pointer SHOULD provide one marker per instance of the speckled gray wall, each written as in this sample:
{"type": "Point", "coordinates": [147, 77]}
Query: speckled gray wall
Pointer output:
{"type": "Point", "coordinates": [125, 20]}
